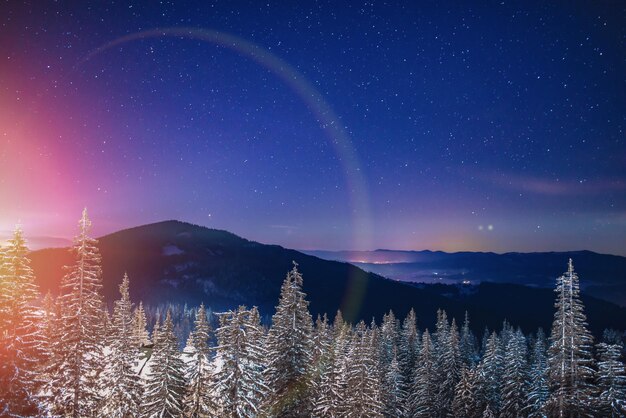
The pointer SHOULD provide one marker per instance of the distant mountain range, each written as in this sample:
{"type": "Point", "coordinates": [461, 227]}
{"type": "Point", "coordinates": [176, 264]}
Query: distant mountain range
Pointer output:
{"type": "Point", "coordinates": [602, 275]}
{"type": "Point", "coordinates": [178, 262]}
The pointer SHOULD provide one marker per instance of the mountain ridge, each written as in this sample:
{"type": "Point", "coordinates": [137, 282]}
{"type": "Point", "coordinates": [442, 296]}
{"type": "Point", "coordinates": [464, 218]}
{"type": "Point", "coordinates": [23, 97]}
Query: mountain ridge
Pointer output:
{"type": "Point", "coordinates": [605, 274]}
{"type": "Point", "coordinates": [179, 262]}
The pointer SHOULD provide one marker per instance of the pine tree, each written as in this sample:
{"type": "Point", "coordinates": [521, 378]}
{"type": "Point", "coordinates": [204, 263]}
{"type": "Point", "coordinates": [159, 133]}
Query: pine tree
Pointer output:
{"type": "Point", "coordinates": [156, 329]}
{"type": "Point", "coordinates": [611, 381]}
{"type": "Point", "coordinates": [514, 386]}
{"type": "Point", "coordinates": [238, 383]}
{"type": "Point", "coordinates": [165, 383]}
{"type": "Point", "coordinates": [122, 384]}
{"type": "Point", "coordinates": [447, 362]}
{"type": "Point", "coordinates": [78, 357]}
{"type": "Point", "coordinates": [463, 405]}
{"type": "Point", "coordinates": [198, 400]}
{"type": "Point", "coordinates": [321, 341]}
{"type": "Point", "coordinates": [47, 326]}
{"type": "Point", "coordinates": [451, 368]}
{"type": "Point", "coordinates": [393, 390]}
{"type": "Point", "coordinates": [489, 377]}
{"type": "Point", "coordinates": [484, 340]}
{"type": "Point", "coordinates": [469, 352]}
{"type": "Point", "coordinates": [389, 332]}
{"type": "Point", "coordinates": [488, 413]}
{"type": "Point", "coordinates": [329, 400]}
{"type": "Point", "coordinates": [538, 391]}
{"type": "Point", "coordinates": [140, 331]}
{"type": "Point", "coordinates": [322, 363]}
{"type": "Point", "coordinates": [570, 360]}
{"type": "Point", "coordinates": [20, 337]}
{"type": "Point", "coordinates": [408, 350]}
{"type": "Point", "coordinates": [363, 396]}
{"type": "Point", "coordinates": [289, 346]}
{"type": "Point", "coordinates": [423, 395]}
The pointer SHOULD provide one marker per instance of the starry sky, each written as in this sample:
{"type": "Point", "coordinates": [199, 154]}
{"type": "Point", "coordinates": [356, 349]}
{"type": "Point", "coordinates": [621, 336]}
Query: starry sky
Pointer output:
{"type": "Point", "coordinates": [444, 125]}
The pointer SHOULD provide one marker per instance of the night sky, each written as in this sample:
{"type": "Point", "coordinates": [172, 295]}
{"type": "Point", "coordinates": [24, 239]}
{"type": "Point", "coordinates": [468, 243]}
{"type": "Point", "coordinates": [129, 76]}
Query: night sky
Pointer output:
{"type": "Point", "coordinates": [491, 126]}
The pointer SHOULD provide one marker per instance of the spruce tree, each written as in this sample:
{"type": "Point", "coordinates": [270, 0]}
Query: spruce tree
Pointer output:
{"type": "Point", "coordinates": [363, 395]}
{"type": "Point", "coordinates": [463, 405]}
{"type": "Point", "coordinates": [198, 400]}
{"type": "Point", "coordinates": [47, 326]}
{"type": "Point", "coordinates": [515, 377]}
{"type": "Point", "coordinates": [289, 347]}
{"type": "Point", "coordinates": [237, 382]}
{"type": "Point", "coordinates": [538, 388]}
{"type": "Point", "coordinates": [489, 377]}
{"type": "Point", "coordinates": [156, 329]}
{"type": "Point", "coordinates": [77, 361]}
{"type": "Point", "coordinates": [140, 331]}
{"type": "Point", "coordinates": [570, 359]}
{"type": "Point", "coordinates": [423, 395]}
{"type": "Point", "coordinates": [329, 394]}
{"type": "Point", "coordinates": [447, 362]}
{"type": "Point", "coordinates": [388, 341]}
{"type": "Point", "coordinates": [20, 336]}
{"type": "Point", "coordinates": [393, 393]}
{"type": "Point", "coordinates": [408, 350]}
{"type": "Point", "coordinates": [450, 367]}
{"type": "Point", "coordinates": [122, 384]}
{"type": "Point", "coordinates": [611, 380]}
{"type": "Point", "coordinates": [469, 352]}
{"type": "Point", "coordinates": [165, 383]}
{"type": "Point", "coordinates": [488, 412]}
{"type": "Point", "coordinates": [323, 356]}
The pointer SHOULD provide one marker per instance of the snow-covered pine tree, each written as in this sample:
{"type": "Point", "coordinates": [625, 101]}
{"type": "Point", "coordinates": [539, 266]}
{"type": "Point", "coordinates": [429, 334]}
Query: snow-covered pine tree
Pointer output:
{"type": "Point", "coordinates": [329, 400]}
{"type": "Point", "coordinates": [121, 383]}
{"type": "Point", "coordinates": [515, 376]}
{"type": "Point", "coordinates": [77, 361]}
{"type": "Point", "coordinates": [611, 380]}
{"type": "Point", "coordinates": [198, 400]}
{"type": "Point", "coordinates": [165, 383]}
{"type": "Point", "coordinates": [484, 340]}
{"type": "Point", "coordinates": [47, 326]}
{"type": "Point", "coordinates": [447, 363]}
{"type": "Point", "coordinates": [488, 412]}
{"type": "Point", "coordinates": [20, 336]}
{"type": "Point", "coordinates": [156, 329]}
{"type": "Point", "coordinates": [388, 339]}
{"type": "Point", "coordinates": [506, 334]}
{"type": "Point", "coordinates": [467, 344]}
{"type": "Point", "coordinates": [440, 339]}
{"type": "Point", "coordinates": [140, 327]}
{"type": "Point", "coordinates": [393, 393]}
{"type": "Point", "coordinates": [408, 350]}
{"type": "Point", "coordinates": [450, 366]}
{"type": "Point", "coordinates": [363, 395]}
{"type": "Point", "coordinates": [289, 346]}
{"type": "Point", "coordinates": [463, 405]}
{"type": "Point", "coordinates": [570, 359]}
{"type": "Point", "coordinates": [321, 342]}
{"type": "Point", "coordinates": [258, 359]}
{"type": "Point", "coordinates": [422, 397]}
{"type": "Point", "coordinates": [489, 377]}
{"type": "Point", "coordinates": [322, 347]}
{"type": "Point", "coordinates": [538, 389]}
{"type": "Point", "coordinates": [237, 382]}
